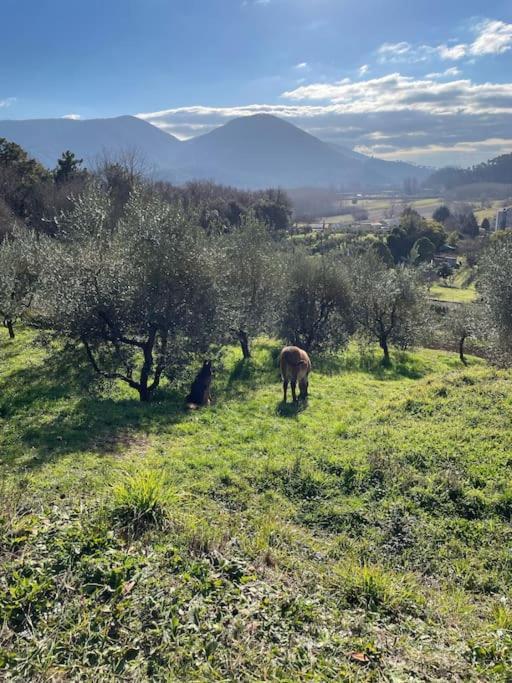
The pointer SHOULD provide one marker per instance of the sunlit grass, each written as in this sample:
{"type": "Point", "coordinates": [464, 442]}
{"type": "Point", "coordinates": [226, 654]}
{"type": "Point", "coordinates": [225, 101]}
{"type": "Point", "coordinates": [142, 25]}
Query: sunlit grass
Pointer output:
{"type": "Point", "coordinates": [252, 540]}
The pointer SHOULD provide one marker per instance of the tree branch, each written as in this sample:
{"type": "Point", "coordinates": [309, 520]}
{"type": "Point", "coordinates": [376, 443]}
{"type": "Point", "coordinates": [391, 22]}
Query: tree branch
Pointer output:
{"type": "Point", "coordinates": [104, 373]}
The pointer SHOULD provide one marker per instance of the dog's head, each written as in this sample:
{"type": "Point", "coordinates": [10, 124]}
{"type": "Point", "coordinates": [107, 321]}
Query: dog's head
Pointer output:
{"type": "Point", "coordinates": [207, 366]}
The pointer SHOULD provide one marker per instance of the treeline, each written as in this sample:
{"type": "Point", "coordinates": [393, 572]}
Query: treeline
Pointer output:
{"type": "Point", "coordinates": [34, 196]}
{"type": "Point", "coordinates": [142, 292]}
{"type": "Point", "coordinates": [498, 170]}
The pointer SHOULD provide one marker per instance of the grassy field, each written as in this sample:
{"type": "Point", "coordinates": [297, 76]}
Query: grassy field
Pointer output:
{"type": "Point", "coordinates": [489, 213]}
{"type": "Point", "coordinates": [364, 536]}
{"type": "Point", "coordinates": [377, 209]}
{"type": "Point", "coordinates": [462, 295]}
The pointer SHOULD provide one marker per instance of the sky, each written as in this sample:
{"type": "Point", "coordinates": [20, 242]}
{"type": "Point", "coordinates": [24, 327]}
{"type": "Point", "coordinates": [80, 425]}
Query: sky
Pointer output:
{"type": "Point", "coordinates": [426, 81]}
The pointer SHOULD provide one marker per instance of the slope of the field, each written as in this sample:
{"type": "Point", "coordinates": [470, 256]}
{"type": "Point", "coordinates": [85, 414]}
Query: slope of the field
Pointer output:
{"type": "Point", "coordinates": [363, 536]}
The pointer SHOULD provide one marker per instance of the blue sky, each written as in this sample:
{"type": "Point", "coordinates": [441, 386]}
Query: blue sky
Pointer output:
{"type": "Point", "coordinates": [425, 81]}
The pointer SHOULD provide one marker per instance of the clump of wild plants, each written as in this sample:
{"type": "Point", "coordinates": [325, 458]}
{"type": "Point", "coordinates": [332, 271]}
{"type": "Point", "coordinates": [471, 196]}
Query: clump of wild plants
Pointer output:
{"type": "Point", "coordinates": [398, 530]}
{"type": "Point", "coordinates": [140, 502]}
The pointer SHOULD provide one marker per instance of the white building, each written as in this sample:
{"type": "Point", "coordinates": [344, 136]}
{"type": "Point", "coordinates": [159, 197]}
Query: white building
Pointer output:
{"type": "Point", "coordinates": [504, 219]}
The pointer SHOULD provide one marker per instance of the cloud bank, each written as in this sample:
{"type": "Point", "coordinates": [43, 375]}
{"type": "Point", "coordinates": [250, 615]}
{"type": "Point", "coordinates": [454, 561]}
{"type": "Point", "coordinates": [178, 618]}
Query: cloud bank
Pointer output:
{"type": "Point", "coordinates": [433, 120]}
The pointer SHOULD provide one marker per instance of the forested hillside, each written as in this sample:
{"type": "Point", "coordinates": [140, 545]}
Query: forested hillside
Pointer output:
{"type": "Point", "coordinates": [498, 170]}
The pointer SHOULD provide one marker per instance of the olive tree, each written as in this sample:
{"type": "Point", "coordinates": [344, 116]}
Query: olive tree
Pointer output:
{"type": "Point", "coordinates": [19, 274]}
{"type": "Point", "coordinates": [389, 304]}
{"type": "Point", "coordinates": [316, 312]}
{"type": "Point", "coordinates": [495, 285]}
{"type": "Point", "coordinates": [462, 322]}
{"type": "Point", "coordinates": [139, 296]}
{"type": "Point", "coordinates": [252, 281]}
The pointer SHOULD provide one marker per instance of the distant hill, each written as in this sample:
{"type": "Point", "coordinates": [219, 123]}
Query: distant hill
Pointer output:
{"type": "Point", "coordinates": [90, 139]}
{"type": "Point", "coordinates": [497, 170]}
{"type": "Point", "coordinates": [253, 152]}
{"type": "Point", "coordinates": [263, 150]}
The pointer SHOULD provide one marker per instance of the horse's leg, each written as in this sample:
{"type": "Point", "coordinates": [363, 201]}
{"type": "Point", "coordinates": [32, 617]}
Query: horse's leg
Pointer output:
{"type": "Point", "coordinates": [294, 385]}
{"type": "Point", "coordinates": [285, 389]}
{"type": "Point", "coordinates": [303, 384]}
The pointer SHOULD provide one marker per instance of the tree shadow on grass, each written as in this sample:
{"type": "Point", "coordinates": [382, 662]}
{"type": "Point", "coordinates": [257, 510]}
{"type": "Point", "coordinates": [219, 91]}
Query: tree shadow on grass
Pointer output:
{"type": "Point", "coordinates": [54, 410]}
{"type": "Point", "coordinates": [401, 366]}
{"type": "Point", "coordinates": [253, 373]}
{"type": "Point", "coordinates": [53, 413]}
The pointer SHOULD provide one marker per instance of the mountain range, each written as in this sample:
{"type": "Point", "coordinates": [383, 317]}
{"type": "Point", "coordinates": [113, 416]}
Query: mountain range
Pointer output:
{"type": "Point", "coordinates": [251, 152]}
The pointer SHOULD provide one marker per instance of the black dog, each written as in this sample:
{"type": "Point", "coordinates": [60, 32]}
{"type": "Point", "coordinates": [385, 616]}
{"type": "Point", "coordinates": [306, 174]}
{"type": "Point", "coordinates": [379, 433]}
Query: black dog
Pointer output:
{"type": "Point", "coordinates": [200, 389]}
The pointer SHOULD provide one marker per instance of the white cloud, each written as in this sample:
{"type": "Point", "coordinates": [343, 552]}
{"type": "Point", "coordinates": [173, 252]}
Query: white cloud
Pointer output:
{"type": "Point", "coordinates": [391, 52]}
{"type": "Point", "coordinates": [73, 117]}
{"type": "Point", "coordinates": [452, 71]}
{"type": "Point", "coordinates": [302, 66]}
{"type": "Point", "coordinates": [386, 151]}
{"type": "Point", "coordinates": [452, 52]}
{"type": "Point", "coordinates": [7, 102]}
{"type": "Point", "coordinates": [364, 69]}
{"type": "Point", "coordinates": [495, 37]}
{"type": "Point", "coordinates": [396, 92]}
{"type": "Point", "coordinates": [491, 37]}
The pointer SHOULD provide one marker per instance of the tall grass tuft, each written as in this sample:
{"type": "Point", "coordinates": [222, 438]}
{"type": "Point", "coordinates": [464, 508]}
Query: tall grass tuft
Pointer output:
{"type": "Point", "coordinates": [140, 502]}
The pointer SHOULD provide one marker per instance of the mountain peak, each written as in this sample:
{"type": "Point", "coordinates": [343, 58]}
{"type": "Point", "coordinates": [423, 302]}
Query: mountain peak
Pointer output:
{"type": "Point", "coordinates": [258, 150]}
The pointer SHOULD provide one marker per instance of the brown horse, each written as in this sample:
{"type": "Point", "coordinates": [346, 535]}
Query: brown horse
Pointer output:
{"type": "Point", "coordinates": [295, 367]}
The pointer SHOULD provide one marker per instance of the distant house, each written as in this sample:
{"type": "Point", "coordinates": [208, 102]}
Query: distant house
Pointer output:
{"type": "Point", "coordinates": [504, 219]}
{"type": "Point", "coordinates": [442, 259]}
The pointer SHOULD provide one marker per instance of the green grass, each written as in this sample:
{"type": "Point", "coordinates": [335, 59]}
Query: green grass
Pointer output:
{"type": "Point", "coordinates": [462, 295]}
{"type": "Point", "coordinates": [363, 536]}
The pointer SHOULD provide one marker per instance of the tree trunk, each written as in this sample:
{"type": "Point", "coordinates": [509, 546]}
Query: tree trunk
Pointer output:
{"type": "Point", "coordinates": [244, 343]}
{"type": "Point", "coordinates": [145, 390]}
{"type": "Point", "coordinates": [383, 343]}
{"type": "Point", "coordinates": [461, 350]}
{"type": "Point", "coordinates": [144, 393]}
{"type": "Point", "coordinates": [10, 328]}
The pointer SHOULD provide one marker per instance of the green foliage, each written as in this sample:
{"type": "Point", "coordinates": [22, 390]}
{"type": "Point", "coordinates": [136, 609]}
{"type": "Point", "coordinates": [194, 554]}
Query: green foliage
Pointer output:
{"type": "Point", "coordinates": [68, 168]}
{"type": "Point", "coordinates": [317, 308]}
{"type": "Point", "coordinates": [388, 304]}
{"type": "Point", "coordinates": [495, 284]}
{"type": "Point", "coordinates": [274, 209]}
{"type": "Point", "coordinates": [22, 180]}
{"type": "Point", "coordinates": [423, 251]}
{"type": "Point", "coordinates": [441, 214]}
{"type": "Point", "coordinates": [468, 223]}
{"type": "Point", "coordinates": [413, 227]}
{"type": "Point", "coordinates": [497, 170]}
{"type": "Point", "coordinates": [20, 267]}
{"type": "Point", "coordinates": [252, 282]}
{"type": "Point", "coordinates": [140, 296]}
{"type": "Point", "coordinates": [383, 252]}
